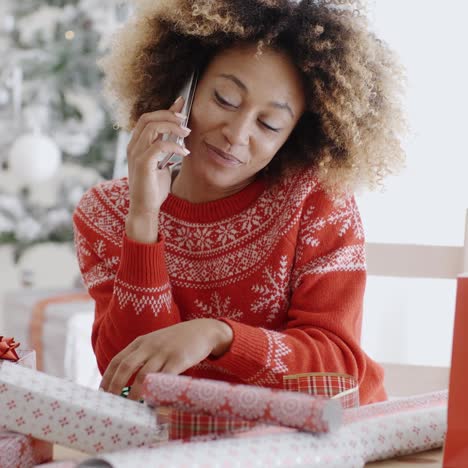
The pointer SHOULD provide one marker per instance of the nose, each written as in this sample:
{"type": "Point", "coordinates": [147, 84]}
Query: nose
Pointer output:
{"type": "Point", "coordinates": [237, 130]}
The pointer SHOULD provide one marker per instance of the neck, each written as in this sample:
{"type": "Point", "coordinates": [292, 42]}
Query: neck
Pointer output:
{"type": "Point", "coordinates": [188, 186]}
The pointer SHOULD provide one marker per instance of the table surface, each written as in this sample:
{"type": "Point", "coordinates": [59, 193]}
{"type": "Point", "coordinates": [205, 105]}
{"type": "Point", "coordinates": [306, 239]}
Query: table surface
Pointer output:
{"type": "Point", "coordinates": [400, 380]}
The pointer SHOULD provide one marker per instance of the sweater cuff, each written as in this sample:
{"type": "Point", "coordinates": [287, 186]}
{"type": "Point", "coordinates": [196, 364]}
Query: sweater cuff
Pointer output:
{"type": "Point", "coordinates": [248, 343]}
{"type": "Point", "coordinates": [143, 264]}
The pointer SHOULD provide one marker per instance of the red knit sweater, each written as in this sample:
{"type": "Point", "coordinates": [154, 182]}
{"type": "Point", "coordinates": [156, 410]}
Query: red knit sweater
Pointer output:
{"type": "Point", "coordinates": [282, 265]}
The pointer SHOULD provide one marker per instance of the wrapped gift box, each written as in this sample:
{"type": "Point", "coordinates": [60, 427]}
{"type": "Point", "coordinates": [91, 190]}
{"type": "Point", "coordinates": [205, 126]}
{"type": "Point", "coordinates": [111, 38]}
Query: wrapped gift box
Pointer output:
{"type": "Point", "coordinates": [22, 451]}
{"type": "Point", "coordinates": [222, 401]}
{"type": "Point", "coordinates": [57, 324]}
{"type": "Point", "coordinates": [27, 358]}
{"type": "Point", "coordinates": [19, 450]}
{"type": "Point", "coordinates": [69, 414]}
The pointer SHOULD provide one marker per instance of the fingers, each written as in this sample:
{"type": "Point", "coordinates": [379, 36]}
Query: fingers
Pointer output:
{"type": "Point", "coordinates": [153, 365]}
{"type": "Point", "coordinates": [150, 134]}
{"type": "Point", "coordinates": [171, 365]}
{"type": "Point", "coordinates": [157, 116]}
{"type": "Point", "coordinates": [150, 157]}
{"type": "Point", "coordinates": [113, 365]}
{"type": "Point", "coordinates": [121, 369]}
{"type": "Point", "coordinates": [175, 367]}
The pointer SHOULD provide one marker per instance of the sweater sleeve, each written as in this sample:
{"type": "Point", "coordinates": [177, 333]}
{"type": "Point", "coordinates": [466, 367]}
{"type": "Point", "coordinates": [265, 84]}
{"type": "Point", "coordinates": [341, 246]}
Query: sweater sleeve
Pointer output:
{"type": "Point", "coordinates": [323, 327]}
{"type": "Point", "coordinates": [128, 281]}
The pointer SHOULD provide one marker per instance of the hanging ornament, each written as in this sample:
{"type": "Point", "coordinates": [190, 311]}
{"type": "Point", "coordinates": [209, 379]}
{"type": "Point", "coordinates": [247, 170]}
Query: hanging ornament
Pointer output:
{"type": "Point", "coordinates": [4, 96]}
{"type": "Point", "coordinates": [7, 24]}
{"type": "Point", "coordinates": [34, 157]}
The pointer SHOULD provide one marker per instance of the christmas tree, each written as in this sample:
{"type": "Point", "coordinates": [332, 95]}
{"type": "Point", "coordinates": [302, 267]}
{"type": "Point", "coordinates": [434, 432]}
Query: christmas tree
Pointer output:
{"type": "Point", "coordinates": [50, 82]}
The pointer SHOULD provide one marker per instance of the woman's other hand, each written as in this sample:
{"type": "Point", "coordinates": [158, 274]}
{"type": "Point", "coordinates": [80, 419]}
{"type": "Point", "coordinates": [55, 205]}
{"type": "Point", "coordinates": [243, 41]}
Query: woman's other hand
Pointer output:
{"type": "Point", "coordinates": [148, 185]}
{"type": "Point", "coordinates": [171, 350]}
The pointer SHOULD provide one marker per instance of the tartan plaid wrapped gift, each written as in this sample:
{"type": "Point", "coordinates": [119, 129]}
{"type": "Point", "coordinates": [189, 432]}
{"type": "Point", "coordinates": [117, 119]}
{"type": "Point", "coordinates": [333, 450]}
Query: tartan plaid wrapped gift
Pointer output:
{"type": "Point", "coordinates": [341, 387]}
{"type": "Point", "coordinates": [200, 407]}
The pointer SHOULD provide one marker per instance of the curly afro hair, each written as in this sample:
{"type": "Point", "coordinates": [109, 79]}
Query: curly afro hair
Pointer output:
{"type": "Point", "coordinates": [350, 133]}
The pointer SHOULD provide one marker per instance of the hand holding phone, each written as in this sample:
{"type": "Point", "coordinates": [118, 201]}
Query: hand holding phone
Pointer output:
{"type": "Point", "coordinates": [148, 186]}
{"type": "Point", "coordinates": [188, 93]}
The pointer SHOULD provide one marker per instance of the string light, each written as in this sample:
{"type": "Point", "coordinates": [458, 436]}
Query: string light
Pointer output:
{"type": "Point", "coordinates": [70, 35]}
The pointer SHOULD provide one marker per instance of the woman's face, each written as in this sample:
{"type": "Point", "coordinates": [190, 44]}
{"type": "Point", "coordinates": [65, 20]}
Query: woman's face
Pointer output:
{"type": "Point", "coordinates": [245, 107]}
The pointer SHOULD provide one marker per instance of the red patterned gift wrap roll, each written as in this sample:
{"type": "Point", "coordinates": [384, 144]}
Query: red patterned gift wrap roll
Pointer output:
{"type": "Point", "coordinates": [243, 402]}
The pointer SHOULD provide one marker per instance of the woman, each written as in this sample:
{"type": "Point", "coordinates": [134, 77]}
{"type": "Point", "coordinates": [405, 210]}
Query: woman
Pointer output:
{"type": "Point", "coordinates": [246, 262]}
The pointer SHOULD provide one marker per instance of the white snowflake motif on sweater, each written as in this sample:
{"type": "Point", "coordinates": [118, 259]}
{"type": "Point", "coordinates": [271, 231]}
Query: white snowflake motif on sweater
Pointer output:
{"type": "Point", "coordinates": [273, 292]}
{"type": "Point", "coordinates": [82, 249]}
{"type": "Point", "coordinates": [100, 272]}
{"type": "Point", "coordinates": [226, 233]}
{"type": "Point", "coordinates": [271, 374]}
{"type": "Point", "coordinates": [347, 217]}
{"type": "Point", "coordinates": [218, 308]}
{"type": "Point", "coordinates": [119, 197]}
{"type": "Point", "coordinates": [311, 225]}
{"type": "Point", "coordinates": [347, 258]}
{"type": "Point", "coordinates": [202, 236]}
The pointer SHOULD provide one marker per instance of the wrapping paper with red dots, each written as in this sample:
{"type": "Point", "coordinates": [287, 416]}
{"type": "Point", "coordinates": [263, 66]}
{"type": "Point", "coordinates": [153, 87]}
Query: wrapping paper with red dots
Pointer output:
{"type": "Point", "coordinates": [63, 412]}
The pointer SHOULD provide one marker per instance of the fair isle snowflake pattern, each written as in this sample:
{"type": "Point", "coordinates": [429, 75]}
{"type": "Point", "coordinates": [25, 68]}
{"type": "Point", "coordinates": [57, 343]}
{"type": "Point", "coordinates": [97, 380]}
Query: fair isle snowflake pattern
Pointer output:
{"type": "Point", "coordinates": [226, 233]}
{"type": "Point", "coordinates": [348, 258]}
{"type": "Point", "coordinates": [101, 272]}
{"type": "Point", "coordinates": [274, 207]}
{"type": "Point", "coordinates": [100, 248]}
{"type": "Point", "coordinates": [202, 238]}
{"type": "Point", "coordinates": [273, 292]}
{"type": "Point", "coordinates": [347, 217]}
{"type": "Point", "coordinates": [218, 308]}
{"type": "Point", "coordinates": [141, 298]}
{"type": "Point", "coordinates": [99, 213]}
{"type": "Point", "coordinates": [83, 251]}
{"type": "Point", "coordinates": [118, 196]}
{"type": "Point", "coordinates": [271, 374]}
{"type": "Point", "coordinates": [310, 228]}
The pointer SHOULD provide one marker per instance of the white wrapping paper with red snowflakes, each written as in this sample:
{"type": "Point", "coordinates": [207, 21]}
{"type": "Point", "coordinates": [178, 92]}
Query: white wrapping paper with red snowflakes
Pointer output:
{"type": "Point", "coordinates": [19, 450]}
{"type": "Point", "coordinates": [374, 432]}
{"type": "Point", "coordinates": [22, 451]}
{"type": "Point", "coordinates": [242, 402]}
{"type": "Point", "coordinates": [63, 412]}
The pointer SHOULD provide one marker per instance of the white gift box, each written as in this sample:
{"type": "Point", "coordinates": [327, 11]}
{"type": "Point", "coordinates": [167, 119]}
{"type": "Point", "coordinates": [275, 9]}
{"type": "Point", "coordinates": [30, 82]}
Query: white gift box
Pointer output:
{"type": "Point", "coordinates": [66, 332]}
{"type": "Point", "coordinates": [63, 412]}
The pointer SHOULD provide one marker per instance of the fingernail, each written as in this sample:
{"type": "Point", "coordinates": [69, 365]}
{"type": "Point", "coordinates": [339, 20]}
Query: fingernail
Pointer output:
{"type": "Point", "coordinates": [181, 116]}
{"type": "Point", "coordinates": [186, 129]}
{"type": "Point", "coordinates": [186, 151]}
{"type": "Point", "coordinates": [177, 100]}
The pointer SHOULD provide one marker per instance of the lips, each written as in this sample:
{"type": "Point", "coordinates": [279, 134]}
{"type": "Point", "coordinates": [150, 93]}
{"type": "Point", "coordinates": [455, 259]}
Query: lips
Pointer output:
{"type": "Point", "coordinates": [224, 155]}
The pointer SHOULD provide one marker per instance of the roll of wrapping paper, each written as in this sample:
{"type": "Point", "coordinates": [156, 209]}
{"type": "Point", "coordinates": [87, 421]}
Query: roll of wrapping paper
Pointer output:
{"type": "Point", "coordinates": [243, 402]}
{"type": "Point", "coordinates": [374, 432]}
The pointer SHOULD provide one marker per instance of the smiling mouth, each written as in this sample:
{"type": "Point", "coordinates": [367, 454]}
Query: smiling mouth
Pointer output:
{"type": "Point", "coordinates": [231, 159]}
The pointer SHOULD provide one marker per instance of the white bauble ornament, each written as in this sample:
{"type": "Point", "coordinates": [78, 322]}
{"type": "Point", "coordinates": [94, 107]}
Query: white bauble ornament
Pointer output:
{"type": "Point", "coordinates": [7, 24]}
{"type": "Point", "coordinates": [4, 96]}
{"type": "Point", "coordinates": [34, 157]}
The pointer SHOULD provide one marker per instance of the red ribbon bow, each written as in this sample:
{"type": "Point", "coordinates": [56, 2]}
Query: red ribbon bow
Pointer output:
{"type": "Point", "coordinates": [8, 349]}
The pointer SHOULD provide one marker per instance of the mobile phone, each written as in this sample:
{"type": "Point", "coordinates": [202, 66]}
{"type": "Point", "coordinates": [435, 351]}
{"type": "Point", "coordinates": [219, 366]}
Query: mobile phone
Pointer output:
{"type": "Point", "coordinates": [188, 92]}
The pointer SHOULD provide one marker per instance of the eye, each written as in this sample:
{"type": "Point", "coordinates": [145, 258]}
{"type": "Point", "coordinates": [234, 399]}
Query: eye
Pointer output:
{"type": "Point", "coordinates": [226, 103]}
{"type": "Point", "coordinates": [270, 128]}
{"type": "Point", "coordinates": [223, 101]}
